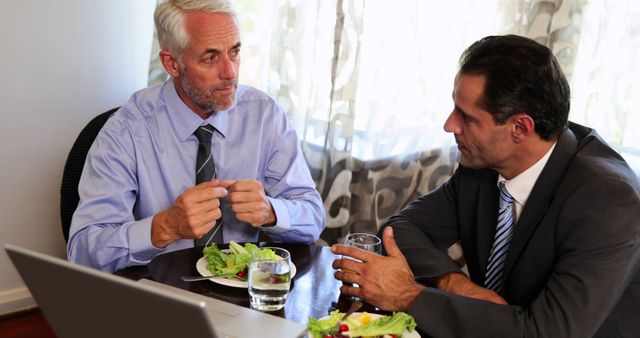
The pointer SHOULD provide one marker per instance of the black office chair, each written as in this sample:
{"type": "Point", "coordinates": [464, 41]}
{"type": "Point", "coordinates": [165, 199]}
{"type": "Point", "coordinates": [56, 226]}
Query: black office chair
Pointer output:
{"type": "Point", "coordinates": [73, 169]}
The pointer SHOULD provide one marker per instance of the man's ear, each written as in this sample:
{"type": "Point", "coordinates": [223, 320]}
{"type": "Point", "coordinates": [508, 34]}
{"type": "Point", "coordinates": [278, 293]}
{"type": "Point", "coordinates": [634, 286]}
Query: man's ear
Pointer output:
{"type": "Point", "coordinates": [523, 127]}
{"type": "Point", "coordinates": [170, 63]}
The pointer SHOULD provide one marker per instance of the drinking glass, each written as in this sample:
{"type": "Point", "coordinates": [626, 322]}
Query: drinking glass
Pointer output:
{"type": "Point", "coordinates": [363, 241]}
{"type": "Point", "coordinates": [269, 279]}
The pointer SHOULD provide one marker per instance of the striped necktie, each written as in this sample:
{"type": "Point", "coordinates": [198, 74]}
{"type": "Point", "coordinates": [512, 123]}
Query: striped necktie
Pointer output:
{"type": "Point", "coordinates": [205, 168]}
{"type": "Point", "coordinates": [504, 231]}
{"type": "Point", "coordinates": [206, 171]}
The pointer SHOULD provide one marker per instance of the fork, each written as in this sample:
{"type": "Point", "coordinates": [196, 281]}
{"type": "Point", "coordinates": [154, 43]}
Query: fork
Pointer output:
{"type": "Point", "coordinates": [198, 278]}
{"type": "Point", "coordinates": [355, 306]}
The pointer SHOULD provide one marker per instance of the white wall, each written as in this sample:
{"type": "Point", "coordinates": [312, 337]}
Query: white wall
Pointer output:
{"type": "Point", "coordinates": [62, 63]}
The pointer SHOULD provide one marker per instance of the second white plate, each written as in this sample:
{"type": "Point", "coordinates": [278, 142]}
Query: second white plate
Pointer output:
{"type": "Point", "coordinates": [374, 316]}
{"type": "Point", "coordinates": [203, 270]}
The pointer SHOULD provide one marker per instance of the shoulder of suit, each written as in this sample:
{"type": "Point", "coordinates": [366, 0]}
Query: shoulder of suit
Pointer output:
{"type": "Point", "coordinates": [595, 159]}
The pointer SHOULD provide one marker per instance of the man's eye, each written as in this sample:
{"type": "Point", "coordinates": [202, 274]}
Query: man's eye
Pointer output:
{"type": "Point", "coordinates": [235, 52]}
{"type": "Point", "coordinates": [212, 58]}
{"type": "Point", "coordinates": [465, 118]}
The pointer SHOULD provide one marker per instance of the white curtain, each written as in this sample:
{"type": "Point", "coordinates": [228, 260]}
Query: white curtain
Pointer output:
{"type": "Point", "coordinates": [381, 74]}
{"type": "Point", "coordinates": [598, 45]}
{"type": "Point", "coordinates": [606, 77]}
{"type": "Point", "coordinates": [368, 84]}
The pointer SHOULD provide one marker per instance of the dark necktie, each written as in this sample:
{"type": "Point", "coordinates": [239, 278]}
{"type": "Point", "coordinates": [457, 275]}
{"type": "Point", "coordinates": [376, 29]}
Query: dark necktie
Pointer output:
{"type": "Point", "coordinates": [206, 171]}
{"type": "Point", "coordinates": [504, 231]}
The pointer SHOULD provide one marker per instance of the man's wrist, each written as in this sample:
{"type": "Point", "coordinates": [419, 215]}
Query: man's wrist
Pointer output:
{"type": "Point", "coordinates": [271, 218]}
{"type": "Point", "coordinates": [159, 237]}
{"type": "Point", "coordinates": [411, 296]}
{"type": "Point", "coordinates": [451, 281]}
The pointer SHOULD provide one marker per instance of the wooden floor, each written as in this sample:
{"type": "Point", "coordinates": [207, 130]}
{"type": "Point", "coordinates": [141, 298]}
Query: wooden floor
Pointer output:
{"type": "Point", "coordinates": [26, 324]}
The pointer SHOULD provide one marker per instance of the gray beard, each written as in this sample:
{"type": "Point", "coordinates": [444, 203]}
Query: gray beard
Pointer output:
{"type": "Point", "coordinates": [204, 99]}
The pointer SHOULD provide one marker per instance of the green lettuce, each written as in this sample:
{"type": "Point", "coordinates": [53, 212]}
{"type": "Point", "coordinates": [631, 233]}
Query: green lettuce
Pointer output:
{"type": "Point", "coordinates": [322, 327]}
{"type": "Point", "coordinates": [267, 254]}
{"type": "Point", "coordinates": [238, 258]}
{"type": "Point", "coordinates": [395, 325]}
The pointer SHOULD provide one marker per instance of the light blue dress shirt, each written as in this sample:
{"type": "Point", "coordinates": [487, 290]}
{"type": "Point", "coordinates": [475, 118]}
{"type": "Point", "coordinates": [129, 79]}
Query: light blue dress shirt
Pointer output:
{"type": "Point", "coordinates": [145, 156]}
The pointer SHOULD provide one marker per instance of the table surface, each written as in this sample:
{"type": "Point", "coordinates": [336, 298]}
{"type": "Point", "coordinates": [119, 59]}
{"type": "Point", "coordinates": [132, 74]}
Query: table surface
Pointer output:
{"type": "Point", "coordinates": [314, 290]}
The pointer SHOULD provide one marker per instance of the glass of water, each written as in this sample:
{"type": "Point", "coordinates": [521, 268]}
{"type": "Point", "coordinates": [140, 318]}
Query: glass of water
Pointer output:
{"type": "Point", "coordinates": [364, 241]}
{"type": "Point", "coordinates": [269, 279]}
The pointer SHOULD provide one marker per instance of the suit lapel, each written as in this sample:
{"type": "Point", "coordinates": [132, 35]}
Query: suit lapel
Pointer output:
{"type": "Point", "coordinates": [541, 196]}
{"type": "Point", "coordinates": [486, 221]}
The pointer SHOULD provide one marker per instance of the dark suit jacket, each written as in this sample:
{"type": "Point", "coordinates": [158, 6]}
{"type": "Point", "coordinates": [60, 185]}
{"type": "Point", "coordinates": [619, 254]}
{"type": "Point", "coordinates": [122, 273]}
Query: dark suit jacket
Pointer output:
{"type": "Point", "coordinates": [572, 268]}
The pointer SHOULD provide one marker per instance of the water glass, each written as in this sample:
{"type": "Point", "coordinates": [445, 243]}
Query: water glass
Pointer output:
{"type": "Point", "coordinates": [269, 280]}
{"type": "Point", "coordinates": [364, 241]}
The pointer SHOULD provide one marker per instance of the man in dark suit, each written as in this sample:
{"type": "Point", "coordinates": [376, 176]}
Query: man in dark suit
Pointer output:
{"type": "Point", "coordinates": [562, 256]}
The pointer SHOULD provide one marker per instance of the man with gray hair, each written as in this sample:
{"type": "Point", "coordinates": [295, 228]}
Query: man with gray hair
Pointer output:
{"type": "Point", "coordinates": [198, 159]}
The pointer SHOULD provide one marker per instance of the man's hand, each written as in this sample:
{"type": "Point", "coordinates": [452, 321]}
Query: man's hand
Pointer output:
{"type": "Point", "coordinates": [384, 281]}
{"type": "Point", "coordinates": [249, 202]}
{"type": "Point", "coordinates": [192, 214]}
{"type": "Point", "coordinates": [459, 284]}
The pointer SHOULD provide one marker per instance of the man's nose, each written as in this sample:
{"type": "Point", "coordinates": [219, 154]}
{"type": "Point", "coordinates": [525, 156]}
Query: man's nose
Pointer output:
{"type": "Point", "coordinates": [228, 71]}
{"type": "Point", "coordinates": [451, 125]}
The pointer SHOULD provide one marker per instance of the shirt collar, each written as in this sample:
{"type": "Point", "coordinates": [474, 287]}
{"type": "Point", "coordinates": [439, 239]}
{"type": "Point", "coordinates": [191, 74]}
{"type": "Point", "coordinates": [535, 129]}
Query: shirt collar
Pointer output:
{"type": "Point", "coordinates": [185, 120]}
{"type": "Point", "coordinates": [520, 186]}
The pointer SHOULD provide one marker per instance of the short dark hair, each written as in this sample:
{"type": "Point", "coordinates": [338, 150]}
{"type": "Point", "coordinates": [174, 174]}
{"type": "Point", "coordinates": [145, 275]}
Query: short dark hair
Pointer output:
{"type": "Point", "coordinates": [521, 75]}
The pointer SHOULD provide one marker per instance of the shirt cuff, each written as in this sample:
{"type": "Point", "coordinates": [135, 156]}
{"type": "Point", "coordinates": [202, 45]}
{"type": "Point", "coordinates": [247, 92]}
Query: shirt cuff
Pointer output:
{"type": "Point", "coordinates": [142, 251]}
{"type": "Point", "coordinates": [283, 222]}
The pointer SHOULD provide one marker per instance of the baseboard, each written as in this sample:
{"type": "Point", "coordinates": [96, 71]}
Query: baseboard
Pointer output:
{"type": "Point", "coordinates": [15, 300]}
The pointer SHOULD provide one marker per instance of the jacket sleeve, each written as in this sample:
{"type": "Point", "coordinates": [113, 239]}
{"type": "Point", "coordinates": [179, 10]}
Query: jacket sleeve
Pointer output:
{"type": "Point", "coordinates": [426, 228]}
{"type": "Point", "coordinates": [597, 243]}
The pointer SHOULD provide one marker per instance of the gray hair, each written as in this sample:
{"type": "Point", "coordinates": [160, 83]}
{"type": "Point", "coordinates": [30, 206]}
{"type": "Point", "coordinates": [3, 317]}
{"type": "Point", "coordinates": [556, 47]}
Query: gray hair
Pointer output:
{"type": "Point", "coordinates": [169, 21]}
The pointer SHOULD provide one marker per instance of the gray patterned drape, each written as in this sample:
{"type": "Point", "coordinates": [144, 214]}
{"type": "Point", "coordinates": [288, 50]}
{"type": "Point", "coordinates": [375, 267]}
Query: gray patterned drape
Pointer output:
{"type": "Point", "coordinates": [556, 24]}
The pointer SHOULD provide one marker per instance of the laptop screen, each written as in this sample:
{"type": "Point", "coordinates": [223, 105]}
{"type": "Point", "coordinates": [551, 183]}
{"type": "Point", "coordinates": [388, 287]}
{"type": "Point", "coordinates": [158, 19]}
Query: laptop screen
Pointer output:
{"type": "Point", "coordinates": [80, 302]}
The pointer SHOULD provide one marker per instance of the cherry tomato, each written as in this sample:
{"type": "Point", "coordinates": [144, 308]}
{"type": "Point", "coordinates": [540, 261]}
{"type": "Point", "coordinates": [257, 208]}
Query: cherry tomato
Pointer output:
{"type": "Point", "coordinates": [241, 273]}
{"type": "Point", "coordinates": [343, 327]}
{"type": "Point", "coordinates": [273, 280]}
{"type": "Point", "coordinates": [328, 336]}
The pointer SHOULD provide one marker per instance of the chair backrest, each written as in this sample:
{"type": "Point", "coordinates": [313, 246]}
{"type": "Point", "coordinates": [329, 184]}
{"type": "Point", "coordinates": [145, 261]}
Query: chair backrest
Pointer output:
{"type": "Point", "coordinates": [73, 169]}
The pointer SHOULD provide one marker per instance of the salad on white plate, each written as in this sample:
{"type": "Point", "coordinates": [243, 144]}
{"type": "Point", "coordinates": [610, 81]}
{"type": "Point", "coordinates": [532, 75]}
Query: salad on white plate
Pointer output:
{"type": "Point", "coordinates": [363, 324]}
{"type": "Point", "coordinates": [235, 261]}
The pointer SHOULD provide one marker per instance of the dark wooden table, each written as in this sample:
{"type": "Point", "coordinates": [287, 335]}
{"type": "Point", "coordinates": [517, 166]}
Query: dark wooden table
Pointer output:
{"type": "Point", "coordinates": [314, 290]}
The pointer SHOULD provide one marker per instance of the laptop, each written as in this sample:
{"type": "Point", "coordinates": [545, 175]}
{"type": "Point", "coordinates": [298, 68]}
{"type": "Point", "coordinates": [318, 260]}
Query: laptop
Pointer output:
{"type": "Point", "coordinates": [80, 302]}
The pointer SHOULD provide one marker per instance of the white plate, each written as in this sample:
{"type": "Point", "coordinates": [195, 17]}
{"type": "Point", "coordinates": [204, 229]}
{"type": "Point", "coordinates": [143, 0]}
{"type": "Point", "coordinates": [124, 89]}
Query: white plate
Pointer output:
{"type": "Point", "coordinates": [374, 316]}
{"type": "Point", "coordinates": [203, 270]}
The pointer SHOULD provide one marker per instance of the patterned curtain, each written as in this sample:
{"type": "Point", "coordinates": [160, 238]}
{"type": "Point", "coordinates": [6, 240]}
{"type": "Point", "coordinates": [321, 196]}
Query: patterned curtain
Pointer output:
{"type": "Point", "coordinates": [320, 84]}
{"type": "Point", "coordinates": [368, 84]}
{"type": "Point", "coordinates": [361, 95]}
{"type": "Point", "coordinates": [606, 74]}
{"type": "Point", "coordinates": [598, 45]}
{"type": "Point", "coordinates": [556, 24]}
